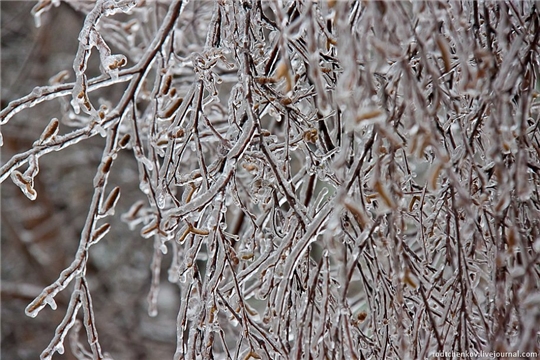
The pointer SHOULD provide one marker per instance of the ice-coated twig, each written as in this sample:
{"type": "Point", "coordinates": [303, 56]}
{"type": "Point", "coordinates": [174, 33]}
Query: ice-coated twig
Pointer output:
{"type": "Point", "coordinates": [335, 179]}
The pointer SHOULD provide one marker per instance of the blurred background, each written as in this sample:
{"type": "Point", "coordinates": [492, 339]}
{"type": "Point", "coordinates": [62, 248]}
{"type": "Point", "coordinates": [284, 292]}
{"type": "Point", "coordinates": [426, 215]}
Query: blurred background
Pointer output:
{"type": "Point", "coordinates": [40, 238]}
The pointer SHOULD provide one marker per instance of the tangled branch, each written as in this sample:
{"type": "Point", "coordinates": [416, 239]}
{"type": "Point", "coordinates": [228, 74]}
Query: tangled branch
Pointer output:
{"type": "Point", "coordinates": [329, 179]}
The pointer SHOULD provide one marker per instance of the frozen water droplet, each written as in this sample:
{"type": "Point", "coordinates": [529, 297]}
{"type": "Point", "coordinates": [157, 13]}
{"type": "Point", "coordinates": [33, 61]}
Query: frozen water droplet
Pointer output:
{"type": "Point", "coordinates": [147, 163]}
{"type": "Point", "coordinates": [144, 186]}
{"type": "Point", "coordinates": [183, 278]}
{"type": "Point", "coordinates": [160, 198]}
{"type": "Point", "coordinates": [536, 245]}
{"type": "Point", "coordinates": [211, 222]}
{"type": "Point", "coordinates": [173, 274]}
{"type": "Point", "coordinates": [50, 301]}
{"type": "Point", "coordinates": [152, 311]}
{"type": "Point", "coordinates": [163, 249]}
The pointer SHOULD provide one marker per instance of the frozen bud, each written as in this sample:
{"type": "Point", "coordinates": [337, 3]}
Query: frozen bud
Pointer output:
{"type": "Point", "coordinates": [171, 109]}
{"type": "Point", "coordinates": [133, 212]}
{"type": "Point", "coordinates": [24, 183]}
{"type": "Point", "coordinates": [124, 141]}
{"type": "Point", "coordinates": [50, 131]}
{"type": "Point", "coordinates": [311, 135]}
{"type": "Point", "coordinates": [106, 165]}
{"type": "Point", "coordinates": [99, 233]}
{"type": "Point", "coordinates": [59, 78]}
{"type": "Point", "coordinates": [110, 202]}
{"type": "Point", "coordinates": [166, 84]}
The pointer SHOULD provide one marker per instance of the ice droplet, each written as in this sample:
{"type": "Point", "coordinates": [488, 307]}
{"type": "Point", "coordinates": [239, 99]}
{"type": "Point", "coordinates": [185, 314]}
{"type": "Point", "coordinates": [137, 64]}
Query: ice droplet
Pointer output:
{"type": "Point", "coordinates": [160, 197]}
{"type": "Point", "coordinates": [183, 278]}
{"type": "Point", "coordinates": [152, 310]}
{"type": "Point", "coordinates": [163, 249]}
{"type": "Point", "coordinates": [144, 186]}
{"type": "Point", "coordinates": [49, 300]}
{"type": "Point", "coordinates": [536, 245]}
